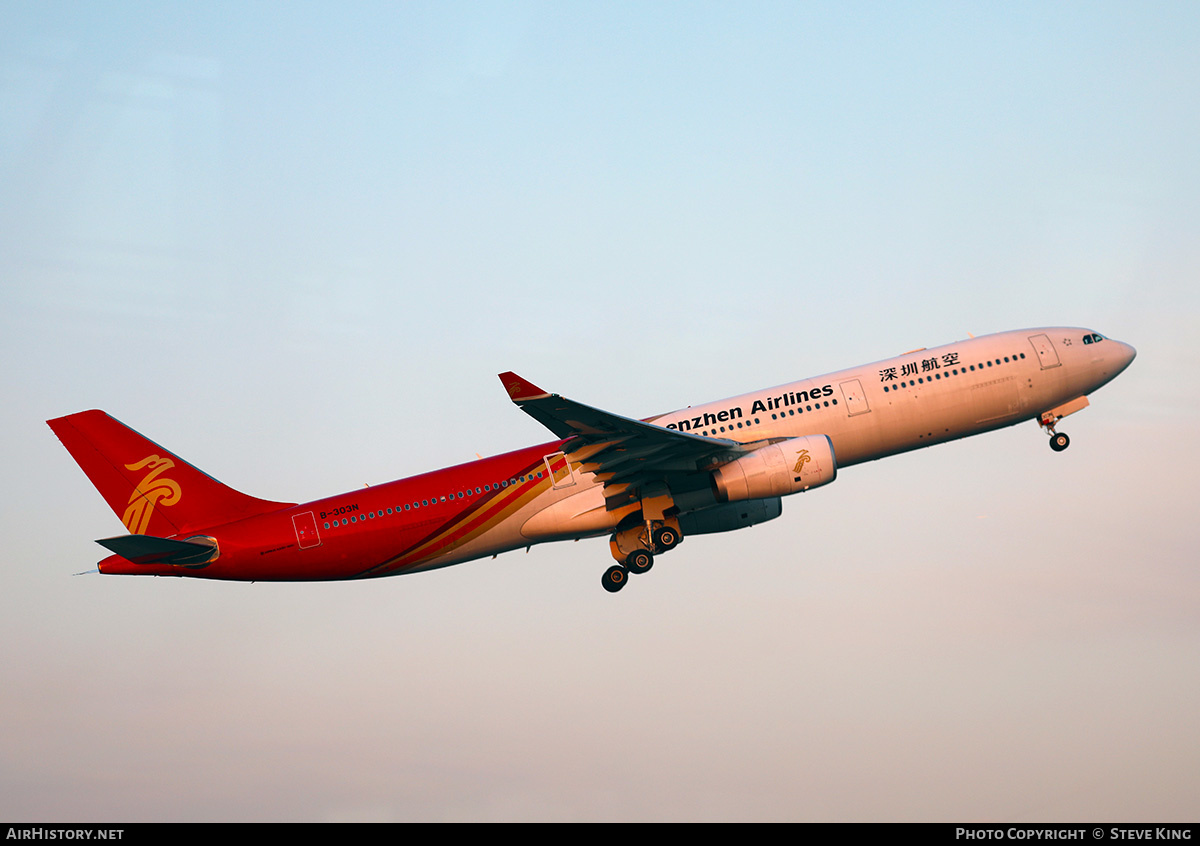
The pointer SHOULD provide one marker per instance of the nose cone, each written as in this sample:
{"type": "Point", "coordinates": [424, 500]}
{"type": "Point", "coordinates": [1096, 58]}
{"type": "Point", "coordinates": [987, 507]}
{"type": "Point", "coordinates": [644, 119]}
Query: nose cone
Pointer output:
{"type": "Point", "coordinates": [1125, 355]}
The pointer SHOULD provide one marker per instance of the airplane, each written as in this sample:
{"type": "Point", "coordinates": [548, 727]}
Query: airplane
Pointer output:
{"type": "Point", "coordinates": [647, 484]}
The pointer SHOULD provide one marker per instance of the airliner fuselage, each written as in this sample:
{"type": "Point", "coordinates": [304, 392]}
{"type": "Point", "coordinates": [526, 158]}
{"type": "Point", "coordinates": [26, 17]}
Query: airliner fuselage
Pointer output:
{"type": "Point", "coordinates": [646, 484]}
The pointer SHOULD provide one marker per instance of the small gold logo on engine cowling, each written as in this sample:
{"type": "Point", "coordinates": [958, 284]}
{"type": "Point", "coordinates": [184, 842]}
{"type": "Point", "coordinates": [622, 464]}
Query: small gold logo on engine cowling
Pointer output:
{"type": "Point", "coordinates": [150, 491]}
{"type": "Point", "coordinates": [802, 458]}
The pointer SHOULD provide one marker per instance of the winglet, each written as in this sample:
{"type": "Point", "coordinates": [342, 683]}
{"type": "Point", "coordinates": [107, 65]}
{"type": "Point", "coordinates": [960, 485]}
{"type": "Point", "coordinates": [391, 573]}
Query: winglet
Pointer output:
{"type": "Point", "coordinates": [520, 390]}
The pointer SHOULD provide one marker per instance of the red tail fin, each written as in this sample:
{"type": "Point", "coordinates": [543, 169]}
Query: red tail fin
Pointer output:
{"type": "Point", "coordinates": [153, 491]}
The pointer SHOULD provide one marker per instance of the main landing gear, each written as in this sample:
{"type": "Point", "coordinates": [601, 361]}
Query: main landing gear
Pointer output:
{"type": "Point", "coordinates": [615, 578]}
{"type": "Point", "coordinates": [635, 556]}
{"type": "Point", "coordinates": [637, 562]}
{"type": "Point", "coordinates": [666, 538]}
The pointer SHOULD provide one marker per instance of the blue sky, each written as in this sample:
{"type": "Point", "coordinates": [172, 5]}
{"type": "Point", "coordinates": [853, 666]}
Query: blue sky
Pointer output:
{"type": "Point", "coordinates": [295, 243]}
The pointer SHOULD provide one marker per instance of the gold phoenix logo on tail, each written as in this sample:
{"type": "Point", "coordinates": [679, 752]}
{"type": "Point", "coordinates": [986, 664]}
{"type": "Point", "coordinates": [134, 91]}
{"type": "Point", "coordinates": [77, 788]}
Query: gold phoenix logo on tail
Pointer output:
{"type": "Point", "coordinates": [149, 492]}
{"type": "Point", "coordinates": [802, 458]}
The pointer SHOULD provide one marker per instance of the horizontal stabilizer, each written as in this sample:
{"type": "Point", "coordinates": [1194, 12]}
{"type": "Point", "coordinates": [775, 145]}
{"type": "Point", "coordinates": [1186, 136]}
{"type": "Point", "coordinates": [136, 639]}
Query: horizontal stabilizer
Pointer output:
{"type": "Point", "coordinates": [147, 549]}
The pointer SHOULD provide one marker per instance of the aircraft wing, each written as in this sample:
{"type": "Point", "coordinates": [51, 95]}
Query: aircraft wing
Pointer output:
{"type": "Point", "coordinates": [625, 454]}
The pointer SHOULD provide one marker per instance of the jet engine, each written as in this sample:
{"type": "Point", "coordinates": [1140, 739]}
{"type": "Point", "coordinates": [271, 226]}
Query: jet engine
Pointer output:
{"type": "Point", "coordinates": [730, 516]}
{"type": "Point", "coordinates": [787, 467]}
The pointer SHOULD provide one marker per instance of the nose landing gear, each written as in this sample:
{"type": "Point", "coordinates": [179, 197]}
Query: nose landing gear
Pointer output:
{"type": "Point", "coordinates": [1048, 419]}
{"type": "Point", "coordinates": [1058, 440]}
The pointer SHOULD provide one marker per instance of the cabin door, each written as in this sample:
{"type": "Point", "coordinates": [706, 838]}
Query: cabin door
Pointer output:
{"type": "Point", "coordinates": [855, 399]}
{"type": "Point", "coordinates": [559, 469]}
{"type": "Point", "coordinates": [1045, 351]}
{"type": "Point", "coordinates": [306, 530]}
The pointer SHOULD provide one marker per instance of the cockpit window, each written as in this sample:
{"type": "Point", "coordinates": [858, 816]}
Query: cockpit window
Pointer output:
{"type": "Point", "coordinates": [1093, 338]}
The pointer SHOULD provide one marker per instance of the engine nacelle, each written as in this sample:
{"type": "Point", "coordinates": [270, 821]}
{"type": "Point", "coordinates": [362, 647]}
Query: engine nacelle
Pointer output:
{"type": "Point", "coordinates": [730, 516]}
{"type": "Point", "coordinates": [787, 467]}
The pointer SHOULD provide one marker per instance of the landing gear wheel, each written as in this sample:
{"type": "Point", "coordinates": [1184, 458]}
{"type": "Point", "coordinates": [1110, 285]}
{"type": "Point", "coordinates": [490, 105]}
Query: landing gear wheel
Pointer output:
{"type": "Point", "coordinates": [666, 539]}
{"type": "Point", "coordinates": [639, 561]}
{"type": "Point", "coordinates": [614, 578]}
{"type": "Point", "coordinates": [1059, 442]}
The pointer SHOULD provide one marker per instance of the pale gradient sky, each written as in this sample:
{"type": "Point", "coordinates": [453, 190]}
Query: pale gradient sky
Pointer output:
{"type": "Point", "coordinates": [294, 243]}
